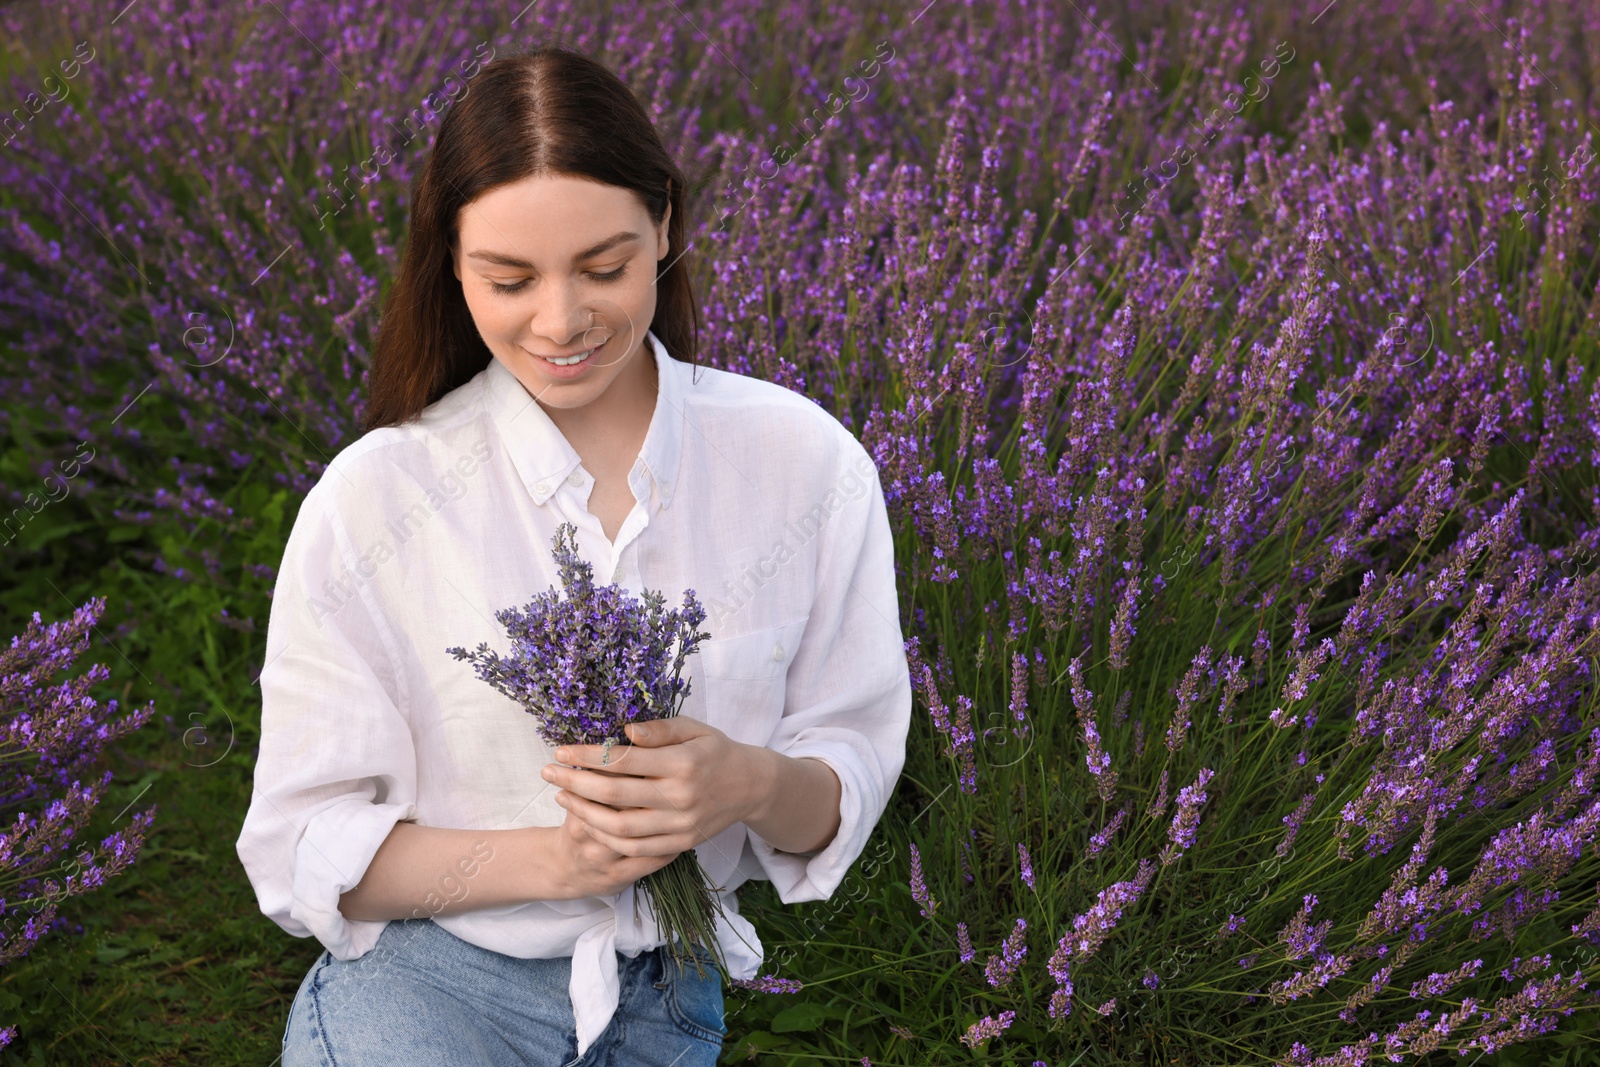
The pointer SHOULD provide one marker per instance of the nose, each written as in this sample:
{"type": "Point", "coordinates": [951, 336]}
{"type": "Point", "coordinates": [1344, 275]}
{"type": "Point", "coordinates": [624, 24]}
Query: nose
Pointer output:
{"type": "Point", "coordinates": [560, 317]}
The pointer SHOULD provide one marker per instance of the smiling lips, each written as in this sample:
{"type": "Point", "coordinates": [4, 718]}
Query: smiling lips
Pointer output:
{"type": "Point", "coordinates": [567, 361]}
{"type": "Point", "coordinates": [574, 359]}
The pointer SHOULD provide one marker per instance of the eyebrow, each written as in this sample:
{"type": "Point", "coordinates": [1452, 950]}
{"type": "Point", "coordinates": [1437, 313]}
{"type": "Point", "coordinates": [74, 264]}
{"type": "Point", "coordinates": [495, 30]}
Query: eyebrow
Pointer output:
{"type": "Point", "coordinates": [588, 253]}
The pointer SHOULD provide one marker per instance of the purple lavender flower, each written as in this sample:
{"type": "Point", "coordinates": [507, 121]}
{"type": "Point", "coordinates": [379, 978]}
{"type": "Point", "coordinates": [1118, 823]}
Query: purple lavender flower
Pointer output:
{"type": "Point", "coordinates": [588, 663]}
{"type": "Point", "coordinates": [52, 735]}
{"type": "Point", "coordinates": [1100, 840]}
{"type": "Point", "coordinates": [964, 739]}
{"type": "Point", "coordinates": [1293, 821]}
{"type": "Point", "coordinates": [1300, 935]}
{"type": "Point", "coordinates": [1019, 693]}
{"type": "Point", "coordinates": [1158, 803]}
{"type": "Point", "coordinates": [919, 889]}
{"type": "Point", "coordinates": [1589, 927]}
{"type": "Point", "coordinates": [768, 983]}
{"type": "Point", "coordinates": [585, 665]}
{"type": "Point", "coordinates": [1000, 969]}
{"type": "Point", "coordinates": [1304, 983]}
{"type": "Point", "coordinates": [1187, 693]}
{"type": "Point", "coordinates": [1099, 761]}
{"type": "Point", "coordinates": [1187, 818]}
{"type": "Point", "coordinates": [1061, 998]}
{"type": "Point", "coordinates": [1521, 968]}
{"type": "Point", "coordinates": [1091, 929]}
{"type": "Point", "coordinates": [987, 1027]}
{"type": "Point", "coordinates": [1233, 686]}
{"type": "Point", "coordinates": [1441, 982]}
{"type": "Point", "coordinates": [1026, 864]}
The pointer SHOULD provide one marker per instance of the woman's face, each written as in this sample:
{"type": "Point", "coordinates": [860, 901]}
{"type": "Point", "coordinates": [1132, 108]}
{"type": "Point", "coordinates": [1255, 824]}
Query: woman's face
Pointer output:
{"type": "Point", "coordinates": [555, 266]}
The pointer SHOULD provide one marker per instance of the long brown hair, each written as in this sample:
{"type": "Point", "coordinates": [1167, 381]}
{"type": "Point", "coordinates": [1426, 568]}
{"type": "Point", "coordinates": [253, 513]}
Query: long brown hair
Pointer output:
{"type": "Point", "coordinates": [550, 110]}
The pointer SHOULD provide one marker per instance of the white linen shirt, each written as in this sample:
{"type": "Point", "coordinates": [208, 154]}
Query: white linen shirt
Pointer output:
{"type": "Point", "coordinates": [415, 535]}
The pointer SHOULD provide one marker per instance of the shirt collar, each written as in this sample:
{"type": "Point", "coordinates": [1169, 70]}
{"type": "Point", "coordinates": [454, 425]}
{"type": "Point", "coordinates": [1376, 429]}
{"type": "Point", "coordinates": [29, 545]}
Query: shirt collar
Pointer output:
{"type": "Point", "coordinates": [540, 451]}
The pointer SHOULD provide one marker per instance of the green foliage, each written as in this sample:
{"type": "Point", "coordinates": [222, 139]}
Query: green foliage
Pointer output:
{"type": "Point", "coordinates": [174, 964]}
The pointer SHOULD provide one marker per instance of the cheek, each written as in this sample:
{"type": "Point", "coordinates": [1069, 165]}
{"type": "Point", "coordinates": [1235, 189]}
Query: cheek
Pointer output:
{"type": "Point", "coordinates": [494, 318]}
{"type": "Point", "coordinates": [639, 302]}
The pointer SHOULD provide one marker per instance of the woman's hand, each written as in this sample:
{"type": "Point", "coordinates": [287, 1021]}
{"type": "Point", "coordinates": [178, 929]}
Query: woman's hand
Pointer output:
{"type": "Point", "coordinates": [681, 782]}
{"type": "Point", "coordinates": [593, 868]}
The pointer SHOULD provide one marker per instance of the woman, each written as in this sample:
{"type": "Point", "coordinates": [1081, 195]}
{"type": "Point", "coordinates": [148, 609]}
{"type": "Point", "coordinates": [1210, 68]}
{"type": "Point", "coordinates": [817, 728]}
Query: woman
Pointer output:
{"type": "Point", "coordinates": [534, 367]}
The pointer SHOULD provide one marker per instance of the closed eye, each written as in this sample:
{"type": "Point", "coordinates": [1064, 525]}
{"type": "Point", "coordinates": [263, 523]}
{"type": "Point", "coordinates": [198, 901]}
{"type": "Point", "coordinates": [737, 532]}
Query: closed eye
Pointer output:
{"type": "Point", "coordinates": [609, 276]}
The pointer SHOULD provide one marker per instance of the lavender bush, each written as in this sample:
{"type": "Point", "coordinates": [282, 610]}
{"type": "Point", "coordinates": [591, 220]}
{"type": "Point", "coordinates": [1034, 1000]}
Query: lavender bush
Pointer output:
{"type": "Point", "coordinates": [1236, 408]}
{"type": "Point", "coordinates": [585, 661]}
{"type": "Point", "coordinates": [51, 735]}
{"type": "Point", "coordinates": [1319, 787]}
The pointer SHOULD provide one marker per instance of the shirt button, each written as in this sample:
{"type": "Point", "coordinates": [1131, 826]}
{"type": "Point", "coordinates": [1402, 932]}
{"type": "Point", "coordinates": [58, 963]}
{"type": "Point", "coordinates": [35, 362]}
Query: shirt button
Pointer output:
{"type": "Point", "coordinates": [777, 652]}
{"type": "Point", "coordinates": [575, 478]}
{"type": "Point", "coordinates": [542, 488]}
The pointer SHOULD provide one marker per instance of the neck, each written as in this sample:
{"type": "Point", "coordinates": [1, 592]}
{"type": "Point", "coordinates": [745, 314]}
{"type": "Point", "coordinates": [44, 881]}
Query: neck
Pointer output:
{"type": "Point", "coordinates": [624, 407]}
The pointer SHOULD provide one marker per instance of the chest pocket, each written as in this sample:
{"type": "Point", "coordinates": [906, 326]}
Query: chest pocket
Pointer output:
{"type": "Point", "coordinates": [745, 675]}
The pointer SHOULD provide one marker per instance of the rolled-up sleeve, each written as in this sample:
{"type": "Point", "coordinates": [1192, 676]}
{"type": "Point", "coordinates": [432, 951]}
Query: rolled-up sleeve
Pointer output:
{"type": "Point", "coordinates": [847, 699]}
{"type": "Point", "coordinates": [337, 767]}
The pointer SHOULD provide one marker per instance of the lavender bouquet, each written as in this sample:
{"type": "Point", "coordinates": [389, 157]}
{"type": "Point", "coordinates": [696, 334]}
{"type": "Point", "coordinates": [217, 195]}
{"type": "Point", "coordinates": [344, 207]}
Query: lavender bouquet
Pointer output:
{"type": "Point", "coordinates": [587, 664]}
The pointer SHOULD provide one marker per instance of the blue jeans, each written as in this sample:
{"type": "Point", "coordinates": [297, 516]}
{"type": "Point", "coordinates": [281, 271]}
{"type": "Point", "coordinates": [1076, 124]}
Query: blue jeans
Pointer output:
{"type": "Point", "coordinates": [430, 998]}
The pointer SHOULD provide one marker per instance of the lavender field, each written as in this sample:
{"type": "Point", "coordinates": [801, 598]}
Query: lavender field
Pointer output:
{"type": "Point", "coordinates": [1233, 377]}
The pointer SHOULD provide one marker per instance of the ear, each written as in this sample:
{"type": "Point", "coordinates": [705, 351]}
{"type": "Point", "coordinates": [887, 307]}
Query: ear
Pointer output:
{"type": "Point", "coordinates": [661, 233]}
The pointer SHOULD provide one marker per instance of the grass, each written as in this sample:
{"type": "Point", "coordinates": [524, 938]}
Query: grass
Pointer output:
{"type": "Point", "coordinates": [175, 963]}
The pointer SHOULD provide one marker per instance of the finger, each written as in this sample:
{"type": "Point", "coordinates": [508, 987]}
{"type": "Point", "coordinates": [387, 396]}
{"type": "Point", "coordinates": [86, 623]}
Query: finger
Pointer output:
{"type": "Point", "coordinates": [673, 731]}
{"type": "Point", "coordinates": [650, 864]}
{"type": "Point", "coordinates": [575, 827]}
{"type": "Point", "coordinates": [595, 757]}
{"type": "Point", "coordinates": [614, 791]}
{"type": "Point", "coordinates": [620, 823]}
{"type": "Point", "coordinates": [572, 802]}
{"type": "Point", "coordinates": [654, 845]}
{"type": "Point", "coordinates": [583, 778]}
{"type": "Point", "coordinates": [606, 772]}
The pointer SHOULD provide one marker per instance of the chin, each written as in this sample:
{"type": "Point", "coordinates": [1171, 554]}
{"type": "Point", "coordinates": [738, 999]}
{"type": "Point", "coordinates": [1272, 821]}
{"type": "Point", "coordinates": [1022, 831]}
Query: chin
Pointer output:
{"type": "Point", "coordinates": [567, 399]}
